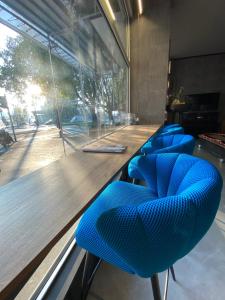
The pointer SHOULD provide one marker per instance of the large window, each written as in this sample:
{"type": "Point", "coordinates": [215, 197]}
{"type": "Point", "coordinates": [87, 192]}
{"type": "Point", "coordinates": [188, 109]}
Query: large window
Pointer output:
{"type": "Point", "coordinates": [118, 18]}
{"type": "Point", "coordinates": [63, 77]}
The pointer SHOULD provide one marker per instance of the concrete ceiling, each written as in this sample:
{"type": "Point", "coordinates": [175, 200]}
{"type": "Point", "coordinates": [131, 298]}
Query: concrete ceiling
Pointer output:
{"type": "Point", "coordinates": [197, 27]}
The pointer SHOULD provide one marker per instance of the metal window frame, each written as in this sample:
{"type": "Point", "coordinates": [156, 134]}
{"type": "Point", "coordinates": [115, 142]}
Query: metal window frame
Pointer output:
{"type": "Point", "coordinates": [114, 31]}
{"type": "Point", "coordinates": [126, 55]}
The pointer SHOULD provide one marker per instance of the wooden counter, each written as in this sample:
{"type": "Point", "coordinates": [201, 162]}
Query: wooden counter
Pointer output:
{"type": "Point", "coordinates": [37, 209]}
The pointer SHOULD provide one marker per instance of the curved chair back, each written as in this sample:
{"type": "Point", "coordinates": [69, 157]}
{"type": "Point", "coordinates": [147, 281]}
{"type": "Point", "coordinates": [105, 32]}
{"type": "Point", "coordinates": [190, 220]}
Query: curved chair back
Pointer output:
{"type": "Point", "coordinates": [167, 126]}
{"type": "Point", "coordinates": [173, 130]}
{"type": "Point", "coordinates": [171, 127]}
{"type": "Point", "coordinates": [153, 235]}
{"type": "Point", "coordinates": [178, 143]}
{"type": "Point", "coordinates": [145, 230]}
{"type": "Point", "coordinates": [164, 131]}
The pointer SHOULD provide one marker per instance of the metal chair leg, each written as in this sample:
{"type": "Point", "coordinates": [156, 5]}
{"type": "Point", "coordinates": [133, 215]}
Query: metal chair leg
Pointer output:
{"type": "Point", "coordinates": [135, 181]}
{"type": "Point", "coordinates": [88, 277]}
{"type": "Point", "coordinates": [155, 287]}
{"type": "Point", "coordinates": [84, 278]}
{"type": "Point", "coordinates": [166, 285]}
{"type": "Point", "coordinates": [173, 273]}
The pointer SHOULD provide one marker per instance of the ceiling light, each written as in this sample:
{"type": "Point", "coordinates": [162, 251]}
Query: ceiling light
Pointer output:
{"type": "Point", "coordinates": [140, 7]}
{"type": "Point", "coordinates": [110, 10]}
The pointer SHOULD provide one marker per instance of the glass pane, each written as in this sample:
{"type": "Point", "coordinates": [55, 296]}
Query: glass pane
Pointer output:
{"type": "Point", "coordinates": [121, 21]}
{"type": "Point", "coordinates": [98, 102]}
{"type": "Point", "coordinates": [117, 16]}
{"type": "Point", "coordinates": [64, 77]}
{"type": "Point", "coordinates": [29, 116]}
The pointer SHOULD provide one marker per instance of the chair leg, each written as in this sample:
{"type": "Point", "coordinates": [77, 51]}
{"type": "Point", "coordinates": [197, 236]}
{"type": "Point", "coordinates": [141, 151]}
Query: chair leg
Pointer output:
{"type": "Point", "coordinates": [155, 287]}
{"type": "Point", "coordinates": [136, 181]}
{"type": "Point", "coordinates": [173, 273]}
{"type": "Point", "coordinates": [84, 278]}
{"type": "Point", "coordinates": [166, 285]}
{"type": "Point", "coordinates": [87, 278]}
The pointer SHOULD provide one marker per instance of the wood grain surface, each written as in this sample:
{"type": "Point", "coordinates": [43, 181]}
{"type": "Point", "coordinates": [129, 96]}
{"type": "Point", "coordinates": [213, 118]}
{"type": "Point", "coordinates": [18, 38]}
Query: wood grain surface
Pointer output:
{"type": "Point", "coordinates": [37, 209]}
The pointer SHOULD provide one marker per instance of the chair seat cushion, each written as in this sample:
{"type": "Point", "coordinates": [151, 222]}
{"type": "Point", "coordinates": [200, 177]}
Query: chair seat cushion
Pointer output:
{"type": "Point", "coordinates": [116, 195]}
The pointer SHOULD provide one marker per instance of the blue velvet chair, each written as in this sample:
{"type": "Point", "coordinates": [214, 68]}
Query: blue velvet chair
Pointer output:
{"type": "Point", "coordinates": [145, 230]}
{"type": "Point", "coordinates": [177, 143]}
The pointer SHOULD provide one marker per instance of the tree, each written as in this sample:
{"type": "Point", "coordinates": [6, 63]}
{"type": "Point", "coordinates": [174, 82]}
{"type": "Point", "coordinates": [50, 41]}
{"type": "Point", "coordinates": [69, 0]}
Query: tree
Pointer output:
{"type": "Point", "coordinates": [20, 116]}
{"type": "Point", "coordinates": [112, 91]}
{"type": "Point", "coordinates": [25, 62]}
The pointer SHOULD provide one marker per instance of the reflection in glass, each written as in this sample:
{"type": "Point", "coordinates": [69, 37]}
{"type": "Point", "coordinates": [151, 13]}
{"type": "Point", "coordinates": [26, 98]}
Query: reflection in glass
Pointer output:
{"type": "Point", "coordinates": [121, 21]}
{"type": "Point", "coordinates": [64, 77]}
{"type": "Point", "coordinates": [26, 83]}
{"type": "Point", "coordinates": [98, 99]}
{"type": "Point", "coordinates": [117, 16]}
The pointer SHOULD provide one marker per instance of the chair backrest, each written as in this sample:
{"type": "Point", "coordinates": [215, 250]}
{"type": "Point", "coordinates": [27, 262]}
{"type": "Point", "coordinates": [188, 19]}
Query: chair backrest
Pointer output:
{"type": "Point", "coordinates": [169, 174]}
{"type": "Point", "coordinates": [171, 125]}
{"type": "Point", "coordinates": [167, 131]}
{"type": "Point", "coordinates": [189, 187]}
{"type": "Point", "coordinates": [189, 191]}
{"type": "Point", "coordinates": [172, 139]}
{"type": "Point", "coordinates": [171, 130]}
{"type": "Point", "coordinates": [180, 143]}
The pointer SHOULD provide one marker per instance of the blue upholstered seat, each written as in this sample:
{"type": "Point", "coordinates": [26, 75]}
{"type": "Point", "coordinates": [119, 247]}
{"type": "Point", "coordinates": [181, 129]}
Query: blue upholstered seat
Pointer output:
{"type": "Point", "coordinates": [171, 126]}
{"type": "Point", "coordinates": [167, 126]}
{"type": "Point", "coordinates": [177, 143]}
{"type": "Point", "coordinates": [170, 130]}
{"type": "Point", "coordinates": [167, 130]}
{"type": "Point", "coordinates": [144, 230]}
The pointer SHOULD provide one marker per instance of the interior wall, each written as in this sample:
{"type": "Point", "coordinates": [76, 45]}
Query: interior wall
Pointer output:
{"type": "Point", "coordinates": [149, 61]}
{"type": "Point", "coordinates": [197, 27]}
{"type": "Point", "coordinates": [203, 74]}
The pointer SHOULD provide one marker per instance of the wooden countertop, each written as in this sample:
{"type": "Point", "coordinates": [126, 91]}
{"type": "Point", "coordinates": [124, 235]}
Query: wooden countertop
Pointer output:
{"type": "Point", "coordinates": [37, 209]}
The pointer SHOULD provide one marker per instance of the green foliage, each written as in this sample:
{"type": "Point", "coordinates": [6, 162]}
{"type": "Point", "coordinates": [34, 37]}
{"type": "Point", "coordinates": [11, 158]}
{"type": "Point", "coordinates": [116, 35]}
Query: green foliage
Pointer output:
{"type": "Point", "coordinates": [25, 62]}
{"type": "Point", "coordinates": [19, 116]}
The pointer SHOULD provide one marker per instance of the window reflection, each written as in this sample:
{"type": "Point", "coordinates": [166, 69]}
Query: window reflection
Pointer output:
{"type": "Point", "coordinates": [121, 21]}
{"type": "Point", "coordinates": [118, 18]}
{"type": "Point", "coordinates": [64, 77]}
{"type": "Point", "coordinates": [100, 80]}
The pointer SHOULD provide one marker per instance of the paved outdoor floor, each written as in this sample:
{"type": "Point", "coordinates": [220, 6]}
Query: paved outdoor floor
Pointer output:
{"type": "Point", "coordinates": [32, 151]}
{"type": "Point", "coordinates": [38, 147]}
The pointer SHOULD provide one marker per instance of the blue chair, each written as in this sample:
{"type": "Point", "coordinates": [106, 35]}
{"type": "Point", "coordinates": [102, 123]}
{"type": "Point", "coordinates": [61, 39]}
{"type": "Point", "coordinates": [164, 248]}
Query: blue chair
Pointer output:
{"type": "Point", "coordinates": [177, 143]}
{"type": "Point", "coordinates": [172, 125]}
{"type": "Point", "coordinates": [171, 130]}
{"type": "Point", "coordinates": [167, 131]}
{"type": "Point", "coordinates": [176, 128]}
{"type": "Point", "coordinates": [145, 230]}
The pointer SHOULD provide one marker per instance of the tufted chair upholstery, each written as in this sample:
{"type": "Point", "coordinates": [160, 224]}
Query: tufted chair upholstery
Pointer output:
{"type": "Point", "coordinates": [144, 230]}
{"type": "Point", "coordinates": [179, 143]}
{"type": "Point", "coordinates": [167, 126]}
{"type": "Point", "coordinates": [169, 130]}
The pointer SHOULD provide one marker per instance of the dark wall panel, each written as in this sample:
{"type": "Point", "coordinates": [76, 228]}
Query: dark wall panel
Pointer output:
{"type": "Point", "coordinates": [198, 75]}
